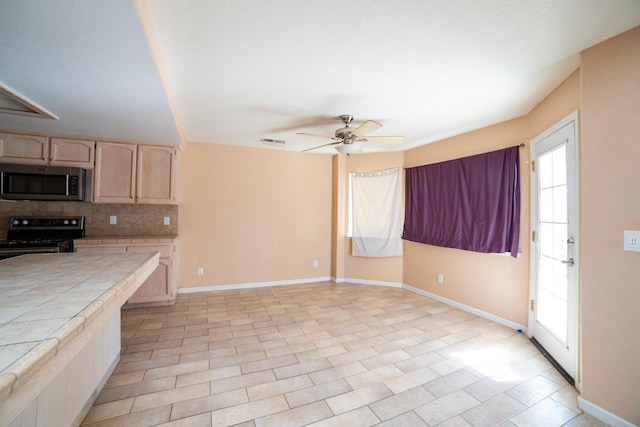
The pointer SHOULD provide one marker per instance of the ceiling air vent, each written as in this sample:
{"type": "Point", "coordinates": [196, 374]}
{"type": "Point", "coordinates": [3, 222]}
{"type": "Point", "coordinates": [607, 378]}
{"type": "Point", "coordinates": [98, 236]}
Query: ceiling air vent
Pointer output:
{"type": "Point", "coordinates": [269, 141]}
{"type": "Point", "coordinates": [13, 103]}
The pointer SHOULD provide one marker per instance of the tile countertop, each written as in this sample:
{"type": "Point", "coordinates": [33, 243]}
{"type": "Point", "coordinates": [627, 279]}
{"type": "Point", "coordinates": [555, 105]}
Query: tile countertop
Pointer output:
{"type": "Point", "coordinates": [47, 299]}
{"type": "Point", "coordinates": [168, 238]}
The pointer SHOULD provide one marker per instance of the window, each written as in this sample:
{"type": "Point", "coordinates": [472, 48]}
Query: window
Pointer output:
{"type": "Point", "coordinates": [472, 203]}
{"type": "Point", "coordinates": [375, 213]}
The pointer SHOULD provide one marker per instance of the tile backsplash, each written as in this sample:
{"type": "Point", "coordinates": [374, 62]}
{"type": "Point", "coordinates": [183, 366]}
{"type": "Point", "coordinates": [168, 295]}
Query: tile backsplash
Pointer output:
{"type": "Point", "coordinates": [132, 220]}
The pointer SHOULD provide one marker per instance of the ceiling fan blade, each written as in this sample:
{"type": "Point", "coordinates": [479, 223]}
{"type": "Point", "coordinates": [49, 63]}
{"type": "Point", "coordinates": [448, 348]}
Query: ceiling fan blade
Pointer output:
{"type": "Point", "coordinates": [303, 123]}
{"type": "Point", "coordinates": [315, 135]}
{"type": "Point", "coordinates": [323, 145]}
{"type": "Point", "coordinates": [384, 139]}
{"type": "Point", "coordinates": [365, 128]}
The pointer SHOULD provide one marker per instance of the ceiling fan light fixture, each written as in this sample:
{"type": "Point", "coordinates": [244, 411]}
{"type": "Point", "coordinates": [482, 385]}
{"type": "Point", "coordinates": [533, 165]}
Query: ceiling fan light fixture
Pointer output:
{"type": "Point", "coordinates": [343, 132]}
{"type": "Point", "coordinates": [349, 149]}
{"type": "Point", "coordinates": [351, 138]}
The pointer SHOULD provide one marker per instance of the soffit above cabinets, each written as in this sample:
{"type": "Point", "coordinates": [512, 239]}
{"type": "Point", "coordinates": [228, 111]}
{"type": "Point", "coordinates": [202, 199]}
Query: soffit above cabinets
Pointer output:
{"type": "Point", "coordinates": [12, 102]}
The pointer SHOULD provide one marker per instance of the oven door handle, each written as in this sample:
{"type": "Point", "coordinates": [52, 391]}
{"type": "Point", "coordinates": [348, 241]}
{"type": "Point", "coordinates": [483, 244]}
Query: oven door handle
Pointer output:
{"type": "Point", "coordinates": [23, 251]}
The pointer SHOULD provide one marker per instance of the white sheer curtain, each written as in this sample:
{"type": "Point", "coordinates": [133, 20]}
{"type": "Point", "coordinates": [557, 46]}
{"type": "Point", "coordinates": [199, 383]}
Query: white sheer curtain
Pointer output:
{"type": "Point", "coordinates": [376, 213]}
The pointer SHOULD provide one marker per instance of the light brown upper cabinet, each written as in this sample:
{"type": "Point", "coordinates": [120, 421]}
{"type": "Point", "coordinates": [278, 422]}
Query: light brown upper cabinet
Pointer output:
{"type": "Point", "coordinates": [130, 173]}
{"type": "Point", "coordinates": [72, 152]}
{"type": "Point", "coordinates": [114, 176]}
{"type": "Point", "coordinates": [24, 149]}
{"type": "Point", "coordinates": [40, 150]}
{"type": "Point", "coordinates": [156, 181]}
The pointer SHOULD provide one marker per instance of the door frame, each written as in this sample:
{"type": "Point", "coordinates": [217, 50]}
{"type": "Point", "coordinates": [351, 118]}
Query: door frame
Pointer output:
{"type": "Point", "coordinates": [573, 313]}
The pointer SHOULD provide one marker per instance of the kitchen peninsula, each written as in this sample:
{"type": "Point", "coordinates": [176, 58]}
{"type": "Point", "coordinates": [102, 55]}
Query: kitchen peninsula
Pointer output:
{"type": "Point", "coordinates": [60, 331]}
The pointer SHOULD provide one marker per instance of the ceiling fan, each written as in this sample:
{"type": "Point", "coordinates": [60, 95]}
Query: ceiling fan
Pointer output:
{"type": "Point", "coordinates": [348, 139]}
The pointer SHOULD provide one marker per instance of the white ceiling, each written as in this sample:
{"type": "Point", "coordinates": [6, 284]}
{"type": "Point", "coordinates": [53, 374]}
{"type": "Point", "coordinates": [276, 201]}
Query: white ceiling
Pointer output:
{"type": "Point", "coordinates": [235, 71]}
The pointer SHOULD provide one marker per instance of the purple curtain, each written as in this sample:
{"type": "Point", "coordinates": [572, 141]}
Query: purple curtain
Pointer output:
{"type": "Point", "coordinates": [471, 203]}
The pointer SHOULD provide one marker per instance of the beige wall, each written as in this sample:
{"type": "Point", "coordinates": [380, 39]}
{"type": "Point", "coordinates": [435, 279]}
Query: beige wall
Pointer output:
{"type": "Point", "coordinates": [610, 204]}
{"type": "Point", "coordinates": [564, 100]}
{"type": "Point", "coordinates": [497, 284]}
{"type": "Point", "coordinates": [251, 215]}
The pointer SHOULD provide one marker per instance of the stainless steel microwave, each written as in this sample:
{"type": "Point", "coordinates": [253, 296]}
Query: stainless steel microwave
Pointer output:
{"type": "Point", "coordinates": [34, 182]}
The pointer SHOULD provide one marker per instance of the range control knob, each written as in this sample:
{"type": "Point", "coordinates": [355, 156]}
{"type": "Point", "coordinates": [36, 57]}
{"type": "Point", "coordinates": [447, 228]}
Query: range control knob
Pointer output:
{"type": "Point", "coordinates": [65, 222]}
{"type": "Point", "coordinates": [74, 222]}
{"type": "Point", "coordinates": [25, 222]}
{"type": "Point", "coordinates": [16, 222]}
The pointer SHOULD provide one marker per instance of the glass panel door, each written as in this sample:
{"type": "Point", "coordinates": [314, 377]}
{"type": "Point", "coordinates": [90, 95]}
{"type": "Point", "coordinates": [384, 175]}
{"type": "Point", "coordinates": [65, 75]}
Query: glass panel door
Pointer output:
{"type": "Point", "coordinates": [552, 283]}
{"type": "Point", "coordinates": [554, 288]}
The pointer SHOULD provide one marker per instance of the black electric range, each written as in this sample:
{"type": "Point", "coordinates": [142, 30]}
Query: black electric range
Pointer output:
{"type": "Point", "coordinates": [29, 235]}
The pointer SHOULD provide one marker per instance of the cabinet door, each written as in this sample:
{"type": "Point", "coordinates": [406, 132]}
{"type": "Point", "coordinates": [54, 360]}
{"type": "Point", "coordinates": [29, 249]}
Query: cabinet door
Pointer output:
{"type": "Point", "coordinates": [156, 287]}
{"type": "Point", "coordinates": [23, 149]}
{"type": "Point", "coordinates": [72, 152]}
{"type": "Point", "coordinates": [114, 178]}
{"type": "Point", "coordinates": [157, 175]}
{"type": "Point", "coordinates": [159, 287]}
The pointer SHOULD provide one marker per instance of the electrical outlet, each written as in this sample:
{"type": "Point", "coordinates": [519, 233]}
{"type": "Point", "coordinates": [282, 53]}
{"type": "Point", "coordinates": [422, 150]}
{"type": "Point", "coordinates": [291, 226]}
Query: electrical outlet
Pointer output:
{"type": "Point", "coordinates": [440, 278]}
{"type": "Point", "coordinates": [632, 241]}
{"type": "Point", "coordinates": [315, 263]}
{"type": "Point", "coordinates": [113, 220]}
{"type": "Point", "coordinates": [200, 271]}
{"type": "Point", "coordinates": [167, 220]}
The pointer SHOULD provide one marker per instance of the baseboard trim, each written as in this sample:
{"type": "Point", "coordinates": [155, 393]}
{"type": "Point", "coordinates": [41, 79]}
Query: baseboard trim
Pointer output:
{"type": "Point", "coordinates": [485, 315]}
{"type": "Point", "coordinates": [602, 414]}
{"type": "Point", "coordinates": [367, 282]}
{"type": "Point", "coordinates": [253, 285]}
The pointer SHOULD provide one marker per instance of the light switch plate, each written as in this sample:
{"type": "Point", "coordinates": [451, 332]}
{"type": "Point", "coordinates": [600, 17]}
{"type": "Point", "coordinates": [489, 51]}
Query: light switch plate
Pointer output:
{"type": "Point", "coordinates": [113, 220]}
{"type": "Point", "coordinates": [632, 240]}
{"type": "Point", "coordinates": [167, 220]}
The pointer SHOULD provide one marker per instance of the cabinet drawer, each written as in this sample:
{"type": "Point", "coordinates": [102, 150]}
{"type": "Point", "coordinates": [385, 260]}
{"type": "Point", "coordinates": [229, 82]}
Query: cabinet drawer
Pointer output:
{"type": "Point", "coordinates": [100, 249]}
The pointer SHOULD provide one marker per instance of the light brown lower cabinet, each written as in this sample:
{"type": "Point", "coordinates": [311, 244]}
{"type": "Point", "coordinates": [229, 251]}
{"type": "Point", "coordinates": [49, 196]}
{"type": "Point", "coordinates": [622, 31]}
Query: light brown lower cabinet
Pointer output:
{"type": "Point", "coordinates": [161, 287]}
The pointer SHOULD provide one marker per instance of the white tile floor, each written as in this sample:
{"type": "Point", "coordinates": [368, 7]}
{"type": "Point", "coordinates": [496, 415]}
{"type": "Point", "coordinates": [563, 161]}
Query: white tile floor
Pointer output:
{"type": "Point", "coordinates": [328, 355]}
